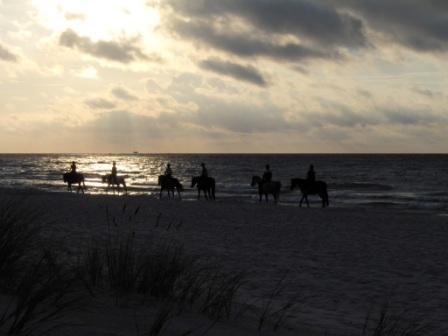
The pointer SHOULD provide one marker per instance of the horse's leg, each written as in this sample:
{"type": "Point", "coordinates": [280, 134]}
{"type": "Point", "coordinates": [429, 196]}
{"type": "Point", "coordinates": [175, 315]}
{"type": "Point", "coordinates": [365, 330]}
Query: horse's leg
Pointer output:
{"type": "Point", "coordinates": [301, 200]}
{"type": "Point", "coordinates": [160, 194]}
{"type": "Point", "coordinates": [178, 193]}
{"type": "Point", "coordinates": [322, 197]}
{"type": "Point", "coordinates": [306, 199]}
{"type": "Point", "coordinates": [125, 188]}
{"type": "Point", "coordinates": [199, 193]}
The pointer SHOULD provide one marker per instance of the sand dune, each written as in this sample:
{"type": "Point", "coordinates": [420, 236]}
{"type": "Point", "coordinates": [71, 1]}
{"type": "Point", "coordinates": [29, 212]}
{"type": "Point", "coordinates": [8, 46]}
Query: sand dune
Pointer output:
{"type": "Point", "coordinates": [334, 265]}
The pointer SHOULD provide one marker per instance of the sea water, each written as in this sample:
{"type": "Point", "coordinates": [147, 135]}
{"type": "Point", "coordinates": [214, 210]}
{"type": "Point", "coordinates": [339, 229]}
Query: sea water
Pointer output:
{"type": "Point", "coordinates": [405, 181]}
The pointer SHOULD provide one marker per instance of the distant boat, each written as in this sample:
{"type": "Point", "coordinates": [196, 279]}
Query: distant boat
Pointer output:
{"type": "Point", "coordinates": [135, 152]}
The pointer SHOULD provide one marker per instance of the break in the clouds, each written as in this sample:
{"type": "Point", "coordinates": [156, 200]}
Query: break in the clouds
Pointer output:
{"type": "Point", "coordinates": [7, 55]}
{"type": "Point", "coordinates": [100, 103]}
{"type": "Point", "coordinates": [119, 51]}
{"type": "Point", "coordinates": [245, 73]}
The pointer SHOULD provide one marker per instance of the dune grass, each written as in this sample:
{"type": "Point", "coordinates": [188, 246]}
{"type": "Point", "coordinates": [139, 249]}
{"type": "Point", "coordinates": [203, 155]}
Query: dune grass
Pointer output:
{"type": "Point", "coordinates": [36, 288]}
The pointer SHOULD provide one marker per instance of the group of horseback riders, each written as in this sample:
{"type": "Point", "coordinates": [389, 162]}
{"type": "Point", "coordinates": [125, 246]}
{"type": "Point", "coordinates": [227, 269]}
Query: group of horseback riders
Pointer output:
{"type": "Point", "coordinates": [206, 184]}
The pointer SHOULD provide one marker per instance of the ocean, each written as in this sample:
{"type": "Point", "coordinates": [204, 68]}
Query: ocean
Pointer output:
{"type": "Point", "coordinates": [403, 181]}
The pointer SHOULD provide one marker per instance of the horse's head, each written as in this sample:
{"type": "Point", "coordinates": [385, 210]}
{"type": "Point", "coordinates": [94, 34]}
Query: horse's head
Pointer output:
{"type": "Point", "coordinates": [255, 180]}
{"type": "Point", "coordinates": [160, 179]}
{"type": "Point", "coordinates": [65, 177]}
{"type": "Point", "coordinates": [104, 178]}
{"type": "Point", "coordinates": [181, 187]}
{"type": "Point", "coordinates": [194, 181]}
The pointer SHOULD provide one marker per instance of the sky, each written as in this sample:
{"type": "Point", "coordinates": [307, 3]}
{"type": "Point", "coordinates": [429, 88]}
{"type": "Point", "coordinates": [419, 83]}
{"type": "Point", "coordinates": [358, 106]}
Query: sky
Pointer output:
{"type": "Point", "coordinates": [238, 76]}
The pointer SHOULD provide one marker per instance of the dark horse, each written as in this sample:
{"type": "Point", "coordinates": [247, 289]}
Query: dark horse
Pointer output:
{"type": "Point", "coordinates": [73, 178]}
{"type": "Point", "coordinates": [311, 188]}
{"type": "Point", "coordinates": [205, 184]}
{"type": "Point", "coordinates": [170, 184]}
{"type": "Point", "coordinates": [114, 182]}
{"type": "Point", "coordinates": [265, 188]}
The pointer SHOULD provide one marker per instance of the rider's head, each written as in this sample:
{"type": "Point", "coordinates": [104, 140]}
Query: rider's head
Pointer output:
{"type": "Point", "coordinates": [73, 162]}
{"type": "Point", "coordinates": [168, 165]}
{"type": "Point", "coordinates": [267, 167]}
{"type": "Point", "coordinates": [113, 163]}
{"type": "Point", "coordinates": [311, 167]}
{"type": "Point", "coordinates": [203, 164]}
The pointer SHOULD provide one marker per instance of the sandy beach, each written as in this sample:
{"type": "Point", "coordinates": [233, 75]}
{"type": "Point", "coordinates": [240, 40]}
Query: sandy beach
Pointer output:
{"type": "Point", "coordinates": [333, 265]}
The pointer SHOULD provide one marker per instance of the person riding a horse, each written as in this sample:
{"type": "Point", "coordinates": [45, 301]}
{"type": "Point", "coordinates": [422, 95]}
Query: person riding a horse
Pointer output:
{"type": "Point", "coordinates": [311, 177]}
{"type": "Point", "coordinates": [168, 171]}
{"type": "Point", "coordinates": [267, 175]}
{"type": "Point", "coordinates": [113, 173]}
{"type": "Point", "coordinates": [204, 172]}
{"type": "Point", "coordinates": [73, 167]}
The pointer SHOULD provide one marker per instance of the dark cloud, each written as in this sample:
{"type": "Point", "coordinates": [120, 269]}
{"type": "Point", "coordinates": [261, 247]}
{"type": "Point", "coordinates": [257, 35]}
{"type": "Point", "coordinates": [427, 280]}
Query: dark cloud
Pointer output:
{"type": "Point", "coordinates": [7, 55]}
{"type": "Point", "coordinates": [417, 24]}
{"type": "Point", "coordinates": [247, 46]}
{"type": "Point", "coordinates": [245, 73]}
{"type": "Point", "coordinates": [318, 23]}
{"type": "Point", "coordinates": [100, 103]}
{"type": "Point", "coordinates": [123, 94]}
{"type": "Point", "coordinates": [427, 93]}
{"type": "Point", "coordinates": [408, 116]}
{"type": "Point", "coordinates": [119, 51]}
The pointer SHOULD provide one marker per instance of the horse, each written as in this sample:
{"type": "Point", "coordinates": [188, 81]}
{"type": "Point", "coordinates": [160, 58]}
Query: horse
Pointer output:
{"type": "Point", "coordinates": [73, 178]}
{"type": "Point", "coordinates": [206, 184]}
{"type": "Point", "coordinates": [265, 188]}
{"type": "Point", "coordinates": [170, 184]}
{"type": "Point", "coordinates": [311, 188]}
{"type": "Point", "coordinates": [117, 181]}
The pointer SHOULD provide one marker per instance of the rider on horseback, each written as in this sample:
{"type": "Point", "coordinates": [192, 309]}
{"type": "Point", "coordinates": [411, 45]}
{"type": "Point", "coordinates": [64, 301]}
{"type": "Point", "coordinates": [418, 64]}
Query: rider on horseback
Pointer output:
{"type": "Point", "coordinates": [311, 175]}
{"type": "Point", "coordinates": [267, 175]}
{"type": "Point", "coordinates": [168, 171]}
{"type": "Point", "coordinates": [204, 172]}
{"type": "Point", "coordinates": [113, 174]}
{"type": "Point", "coordinates": [73, 167]}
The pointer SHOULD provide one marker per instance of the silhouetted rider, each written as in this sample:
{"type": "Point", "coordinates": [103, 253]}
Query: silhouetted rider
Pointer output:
{"type": "Point", "coordinates": [204, 172]}
{"type": "Point", "coordinates": [168, 171]}
{"type": "Point", "coordinates": [73, 168]}
{"type": "Point", "coordinates": [267, 175]}
{"type": "Point", "coordinates": [311, 175]}
{"type": "Point", "coordinates": [113, 174]}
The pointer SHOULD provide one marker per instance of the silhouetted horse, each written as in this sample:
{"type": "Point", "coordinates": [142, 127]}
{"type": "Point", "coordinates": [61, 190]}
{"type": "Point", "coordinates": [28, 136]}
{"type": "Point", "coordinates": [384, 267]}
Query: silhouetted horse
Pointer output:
{"type": "Point", "coordinates": [265, 188]}
{"type": "Point", "coordinates": [170, 184]}
{"type": "Point", "coordinates": [114, 182]}
{"type": "Point", "coordinates": [73, 178]}
{"type": "Point", "coordinates": [311, 188]}
{"type": "Point", "coordinates": [205, 184]}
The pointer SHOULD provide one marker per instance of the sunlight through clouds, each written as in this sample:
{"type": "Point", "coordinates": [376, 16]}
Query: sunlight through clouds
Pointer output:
{"type": "Point", "coordinates": [99, 19]}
